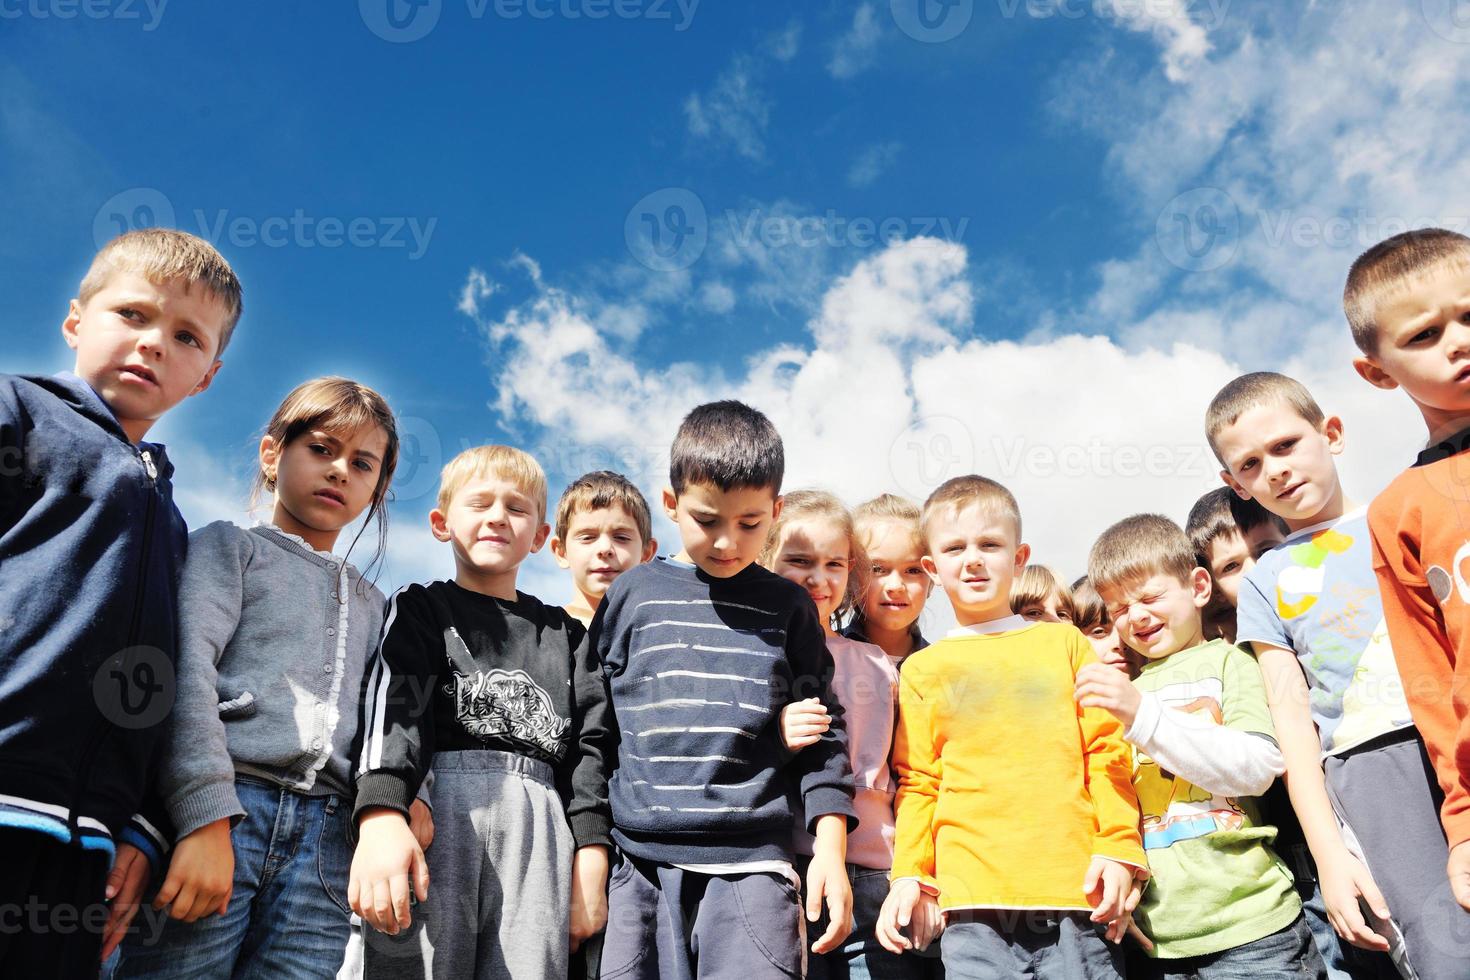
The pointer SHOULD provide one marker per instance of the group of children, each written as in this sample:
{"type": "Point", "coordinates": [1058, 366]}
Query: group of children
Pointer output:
{"type": "Point", "coordinates": [1236, 748]}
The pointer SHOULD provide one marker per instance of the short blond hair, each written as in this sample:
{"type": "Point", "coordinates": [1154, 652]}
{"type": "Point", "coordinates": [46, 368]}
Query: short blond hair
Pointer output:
{"type": "Point", "coordinates": [887, 508]}
{"type": "Point", "coordinates": [1252, 390]}
{"type": "Point", "coordinates": [1140, 547]}
{"type": "Point", "coordinates": [508, 463]}
{"type": "Point", "coordinates": [1389, 268]}
{"type": "Point", "coordinates": [1037, 583]}
{"type": "Point", "coordinates": [805, 505]}
{"type": "Point", "coordinates": [971, 490]}
{"type": "Point", "coordinates": [166, 255]}
{"type": "Point", "coordinates": [600, 489]}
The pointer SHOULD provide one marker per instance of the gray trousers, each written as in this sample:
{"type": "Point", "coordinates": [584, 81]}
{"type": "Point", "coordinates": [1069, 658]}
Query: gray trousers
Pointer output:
{"type": "Point", "coordinates": [665, 923]}
{"type": "Point", "coordinates": [500, 872]}
{"type": "Point", "coordinates": [1387, 794]}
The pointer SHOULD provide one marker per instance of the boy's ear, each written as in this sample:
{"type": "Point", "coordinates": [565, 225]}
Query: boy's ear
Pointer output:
{"type": "Point", "coordinates": [1370, 372]}
{"type": "Point", "coordinates": [541, 535]}
{"type": "Point", "coordinates": [1332, 431]}
{"type": "Point", "coordinates": [69, 325]}
{"type": "Point", "coordinates": [439, 524]}
{"type": "Point", "coordinates": [931, 570]}
{"type": "Point", "coordinates": [671, 504]}
{"type": "Point", "coordinates": [1234, 484]}
{"type": "Point", "coordinates": [1201, 587]}
{"type": "Point", "coordinates": [559, 552]}
{"type": "Point", "coordinates": [205, 381]}
{"type": "Point", "coordinates": [1023, 555]}
{"type": "Point", "coordinates": [776, 507]}
{"type": "Point", "coordinates": [649, 550]}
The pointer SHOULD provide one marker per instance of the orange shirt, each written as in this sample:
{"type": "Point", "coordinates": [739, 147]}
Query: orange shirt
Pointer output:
{"type": "Point", "coordinates": [1007, 788]}
{"type": "Point", "coordinates": [1421, 554]}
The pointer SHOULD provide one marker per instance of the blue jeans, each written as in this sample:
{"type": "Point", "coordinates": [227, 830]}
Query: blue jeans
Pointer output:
{"type": "Point", "coordinates": [287, 917]}
{"type": "Point", "coordinates": [1051, 945]}
{"type": "Point", "coordinates": [861, 957]}
{"type": "Point", "coordinates": [1288, 954]}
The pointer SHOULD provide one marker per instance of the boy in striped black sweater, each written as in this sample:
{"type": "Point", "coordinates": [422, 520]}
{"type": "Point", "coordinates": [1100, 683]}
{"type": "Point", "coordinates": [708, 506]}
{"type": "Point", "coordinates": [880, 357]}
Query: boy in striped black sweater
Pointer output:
{"type": "Point", "coordinates": [702, 652]}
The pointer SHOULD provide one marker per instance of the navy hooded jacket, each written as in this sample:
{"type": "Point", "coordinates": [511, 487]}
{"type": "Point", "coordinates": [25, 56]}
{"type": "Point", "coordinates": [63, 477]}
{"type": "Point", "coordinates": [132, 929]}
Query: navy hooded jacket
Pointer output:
{"type": "Point", "coordinates": [91, 546]}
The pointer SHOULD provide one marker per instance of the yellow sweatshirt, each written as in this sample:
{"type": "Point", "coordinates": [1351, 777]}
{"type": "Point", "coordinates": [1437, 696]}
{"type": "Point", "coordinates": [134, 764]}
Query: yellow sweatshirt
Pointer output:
{"type": "Point", "coordinates": [1007, 788]}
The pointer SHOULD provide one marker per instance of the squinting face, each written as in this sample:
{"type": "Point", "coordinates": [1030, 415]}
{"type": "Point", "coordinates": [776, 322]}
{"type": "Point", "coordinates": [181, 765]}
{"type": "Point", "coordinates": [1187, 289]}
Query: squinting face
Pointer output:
{"type": "Point", "coordinates": [1281, 460]}
{"type": "Point", "coordinates": [1233, 555]}
{"type": "Point", "coordinates": [974, 556]}
{"type": "Point", "coordinates": [1424, 344]}
{"type": "Point", "coordinates": [600, 545]}
{"type": "Point", "coordinates": [1047, 610]}
{"type": "Point", "coordinates": [722, 531]}
{"type": "Point", "coordinates": [1160, 615]}
{"type": "Point", "coordinates": [816, 555]}
{"type": "Point", "coordinates": [145, 346]}
{"type": "Point", "coordinates": [492, 525]}
{"type": "Point", "coordinates": [899, 584]}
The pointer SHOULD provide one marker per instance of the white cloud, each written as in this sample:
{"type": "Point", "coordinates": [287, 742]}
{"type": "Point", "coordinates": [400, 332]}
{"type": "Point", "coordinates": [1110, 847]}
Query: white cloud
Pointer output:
{"type": "Point", "coordinates": [785, 44]}
{"type": "Point", "coordinates": [856, 49]}
{"type": "Point", "coordinates": [871, 163]}
{"type": "Point", "coordinates": [1184, 42]}
{"type": "Point", "coordinates": [477, 287]}
{"type": "Point", "coordinates": [716, 297]}
{"type": "Point", "coordinates": [734, 112]}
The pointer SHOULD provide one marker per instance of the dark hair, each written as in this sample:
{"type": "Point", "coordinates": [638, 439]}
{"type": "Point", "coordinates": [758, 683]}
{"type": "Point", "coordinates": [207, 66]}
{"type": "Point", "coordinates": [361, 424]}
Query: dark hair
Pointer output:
{"type": "Point", "coordinates": [600, 489]}
{"type": "Point", "coordinates": [1251, 390]}
{"type": "Point", "coordinates": [728, 445]}
{"type": "Point", "coordinates": [1222, 511]}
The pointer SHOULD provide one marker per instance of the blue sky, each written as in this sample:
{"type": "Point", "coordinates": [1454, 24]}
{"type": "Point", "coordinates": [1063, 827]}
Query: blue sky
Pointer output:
{"type": "Point", "coordinates": [1033, 312]}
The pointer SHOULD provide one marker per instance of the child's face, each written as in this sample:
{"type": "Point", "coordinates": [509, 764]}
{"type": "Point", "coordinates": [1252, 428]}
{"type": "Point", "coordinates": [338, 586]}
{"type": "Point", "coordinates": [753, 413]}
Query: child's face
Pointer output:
{"type": "Point", "coordinates": [816, 555]}
{"type": "Point", "coordinates": [1424, 344]}
{"type": "Point", "coordinates": [145, 346]}
{"type": "Point", "coordinates": [1047, 610]}
{"type": "Point", "coordinates": [600, 545]}
{"type": "Point", "coordinates": [722, 531]}
{"type": "Point", "coordinates": [324, 480]}
{"type": "Point", "coordinates": [1107, 644]}
{"type": "Point", "coordinates": [974, 556]}
{"type": "Point", "coordinates": [1160, 615]}
{"type": "Point", "coordinates": [492, 524]}
{"type": "Point", "coordinates": [1282, 461]}
{"type": "Point", "coordinates": [1233, 555]}
{"type": "Point", "coordinates": [899, 584]}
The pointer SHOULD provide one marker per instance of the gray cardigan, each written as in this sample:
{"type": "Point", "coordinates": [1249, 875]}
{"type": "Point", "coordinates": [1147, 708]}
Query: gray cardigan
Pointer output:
{"type": "Point", "coordinates": [274, 640]}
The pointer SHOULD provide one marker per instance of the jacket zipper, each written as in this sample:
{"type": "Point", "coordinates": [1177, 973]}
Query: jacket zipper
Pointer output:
{"type": "Point", "coordinates": [89, 754]}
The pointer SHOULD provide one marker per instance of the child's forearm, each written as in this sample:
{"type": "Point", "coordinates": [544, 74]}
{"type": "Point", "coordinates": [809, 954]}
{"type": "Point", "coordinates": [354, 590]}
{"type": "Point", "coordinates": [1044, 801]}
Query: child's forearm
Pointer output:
{"type": "Point", "coordinates": [831, 836]}
{"type": "Point", "coordinates": [1225, 761]}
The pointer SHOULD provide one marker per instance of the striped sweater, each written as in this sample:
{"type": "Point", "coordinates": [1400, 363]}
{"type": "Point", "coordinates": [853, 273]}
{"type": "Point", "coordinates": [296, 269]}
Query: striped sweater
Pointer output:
{"type": "Point", "coordinates": [699, 669]}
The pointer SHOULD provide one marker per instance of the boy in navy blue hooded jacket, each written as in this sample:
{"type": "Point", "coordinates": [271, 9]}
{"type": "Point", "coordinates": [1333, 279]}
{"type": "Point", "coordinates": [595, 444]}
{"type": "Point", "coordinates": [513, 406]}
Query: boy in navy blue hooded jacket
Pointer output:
{"type": "Point", "coordinates": [90, 549]}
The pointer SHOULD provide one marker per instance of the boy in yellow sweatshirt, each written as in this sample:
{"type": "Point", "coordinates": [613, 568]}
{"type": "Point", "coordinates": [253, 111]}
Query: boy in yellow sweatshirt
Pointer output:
{"type": "Point", "coordinates": [1017, 818]}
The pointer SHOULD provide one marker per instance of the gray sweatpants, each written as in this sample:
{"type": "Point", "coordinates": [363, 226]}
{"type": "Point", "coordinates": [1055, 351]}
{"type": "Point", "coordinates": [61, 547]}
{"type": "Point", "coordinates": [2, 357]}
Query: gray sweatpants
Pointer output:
{"type": "Point", "coordinates": [1386, 793]}
{"type": "Point", "coordinates": [500, 872]}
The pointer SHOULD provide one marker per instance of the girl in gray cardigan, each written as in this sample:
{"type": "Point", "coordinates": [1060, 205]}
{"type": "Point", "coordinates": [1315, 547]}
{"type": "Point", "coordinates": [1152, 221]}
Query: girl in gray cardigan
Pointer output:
{"type": "Point", "coordinates": [256, 776]}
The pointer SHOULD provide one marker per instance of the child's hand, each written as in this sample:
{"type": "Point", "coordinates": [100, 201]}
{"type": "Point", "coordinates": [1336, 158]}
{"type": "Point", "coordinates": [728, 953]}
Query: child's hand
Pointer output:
{"type": "Point", "coordinates": [1099, 686]}
{"type": "Point", "coordinates": [1107, 887]}
{"type": "Point", "coordinates": [421, 822]}
{"type": "Point", "coordinates": [125, 885]}
{"type": "Point", "coordinates": [589, 893]}
{"type": "Point", "coordinates": [387, 858]}
{"type": "Point", "coordinates": [1344, 881]}
{"type": "Point", "coordinates": [200, 875]}
{"type": "Point", "coordinates": [826, 879]}
{"type": "Point", "coordinates": [908, 907]}
{"type": "Point", "coordinates": [803, 723]}
{"type": "Point", "coordinates": [1124, 924]}
{"type": "Point", "coordinates": [1459, 872]}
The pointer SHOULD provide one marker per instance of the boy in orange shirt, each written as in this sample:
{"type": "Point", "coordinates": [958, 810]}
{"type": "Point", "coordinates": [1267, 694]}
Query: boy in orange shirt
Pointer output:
{"type": "Point", "coordinates": [990, 747]}
{"type": "Point", "coordinates": [1407, 300]}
